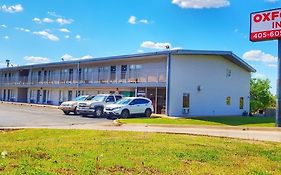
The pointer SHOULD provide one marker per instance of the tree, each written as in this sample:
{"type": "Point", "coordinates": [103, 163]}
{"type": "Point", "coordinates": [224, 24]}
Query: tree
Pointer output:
{"type": "Point", "coordinates": [261, 97]}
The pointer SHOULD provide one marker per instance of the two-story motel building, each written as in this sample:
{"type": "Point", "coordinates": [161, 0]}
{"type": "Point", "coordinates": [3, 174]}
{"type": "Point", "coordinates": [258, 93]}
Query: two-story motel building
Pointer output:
{"type": "Point", "coordinates": [179, 82]}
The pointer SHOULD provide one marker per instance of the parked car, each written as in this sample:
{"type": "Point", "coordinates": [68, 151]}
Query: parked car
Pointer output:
{"type": "Point", "coordinates": [71, 106]}
{"type": "Point", "coordinates": [128, 106]}
{"type": "Point", "coordinates": [96, 105]}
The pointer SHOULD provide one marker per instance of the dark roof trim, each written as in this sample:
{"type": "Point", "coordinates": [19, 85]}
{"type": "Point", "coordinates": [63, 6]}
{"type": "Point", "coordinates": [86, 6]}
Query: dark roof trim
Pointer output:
{"type": "Point", "coordinates": [227, 54]}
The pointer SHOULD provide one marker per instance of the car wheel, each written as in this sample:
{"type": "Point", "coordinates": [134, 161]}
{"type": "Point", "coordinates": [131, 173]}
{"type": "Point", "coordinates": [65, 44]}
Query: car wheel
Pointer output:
{"type": "Point", "coordinates": [148, 112]}
{"type": "Point", "coordinates": [75, 111]}
{"type": "Point", "coordinates": [66, 112]}
{"type": "Point", "coordinates": [125, 114]}
{"type": "Point", "coordinates": [98, 112]}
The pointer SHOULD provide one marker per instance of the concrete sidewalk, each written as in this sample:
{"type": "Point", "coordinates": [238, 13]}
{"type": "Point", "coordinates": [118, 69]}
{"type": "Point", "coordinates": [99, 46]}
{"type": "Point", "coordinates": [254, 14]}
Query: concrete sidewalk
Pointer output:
{"type": "Point", "coordinates": [274, 136]}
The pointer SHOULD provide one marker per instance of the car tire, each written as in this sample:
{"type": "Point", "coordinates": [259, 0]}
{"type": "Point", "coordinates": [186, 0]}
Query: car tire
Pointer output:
{"type": "Point", "coordinates": [98, 112]}
{"type": "Point", "coordinates": [75, 111]}
{"type": "Point", "coordinates": [125, 114]}
{"type": "Point", "coordinates": [148, 112]}
{"type": "Point", "coordinates": [66, 112]}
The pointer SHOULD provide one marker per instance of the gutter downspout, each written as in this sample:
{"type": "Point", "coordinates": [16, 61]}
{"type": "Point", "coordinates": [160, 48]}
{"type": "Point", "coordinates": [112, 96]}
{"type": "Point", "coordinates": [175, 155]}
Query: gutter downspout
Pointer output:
{"type": "Point", "coordinates": [78, 67]}
{"type": "Point", "coordinates": [168, 83]}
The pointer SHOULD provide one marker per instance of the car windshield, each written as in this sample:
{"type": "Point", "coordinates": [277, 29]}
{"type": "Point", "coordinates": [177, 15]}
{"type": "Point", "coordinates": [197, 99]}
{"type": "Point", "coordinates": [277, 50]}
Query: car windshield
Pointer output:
{"type": "Point", "coordinates": [99, 98]}
{"type": "Point", "coordinates": [124, 101]}
{"type": "Point", "coordinates": [90, 97]}
{"type": "Point", "coordinates": [80, 98]}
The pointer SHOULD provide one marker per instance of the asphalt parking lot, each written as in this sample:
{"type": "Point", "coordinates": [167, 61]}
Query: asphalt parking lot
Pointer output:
{"type": "Point", "coordinates": [12, 115]}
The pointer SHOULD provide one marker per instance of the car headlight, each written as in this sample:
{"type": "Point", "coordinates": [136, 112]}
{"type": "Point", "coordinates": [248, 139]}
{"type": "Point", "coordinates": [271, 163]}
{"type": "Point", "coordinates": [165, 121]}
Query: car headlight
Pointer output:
{"type": "Point", "coordinates": [116, 108]}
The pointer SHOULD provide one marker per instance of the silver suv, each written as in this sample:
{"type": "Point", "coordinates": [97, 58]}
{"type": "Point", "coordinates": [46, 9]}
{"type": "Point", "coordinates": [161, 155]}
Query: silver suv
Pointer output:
{"type": "Point", "coordinates": [96, 106]}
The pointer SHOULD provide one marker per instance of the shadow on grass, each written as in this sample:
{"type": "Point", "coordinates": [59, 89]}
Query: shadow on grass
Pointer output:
{"type": "Point", "coordinates": [236, 121]}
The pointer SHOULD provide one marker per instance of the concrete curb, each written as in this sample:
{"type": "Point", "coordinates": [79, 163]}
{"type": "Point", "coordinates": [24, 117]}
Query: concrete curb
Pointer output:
{"type": "Point", "coordinates": [242, 128]}
{"type": "Point", "coordinates": [30, 104]}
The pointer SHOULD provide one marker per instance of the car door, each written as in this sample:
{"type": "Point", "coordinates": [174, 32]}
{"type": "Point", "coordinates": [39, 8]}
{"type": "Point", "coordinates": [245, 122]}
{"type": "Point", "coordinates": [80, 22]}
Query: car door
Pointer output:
{"type": "Point", "coordinates": [143, 105]}
{"type": "Point", "coordinates": [135, 106]}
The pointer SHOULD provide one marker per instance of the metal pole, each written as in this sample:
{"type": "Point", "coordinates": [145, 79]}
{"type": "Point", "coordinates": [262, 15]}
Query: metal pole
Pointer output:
{"type": "Point", "coordinates": [278, 111]}
{"type": "Point", "coordinates": [78, 68]}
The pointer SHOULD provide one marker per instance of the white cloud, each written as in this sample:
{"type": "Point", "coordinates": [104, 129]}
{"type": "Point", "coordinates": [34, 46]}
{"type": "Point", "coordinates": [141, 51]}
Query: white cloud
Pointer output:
{"type": "Point", "coordinates": [22, 29]}
{"type": "Point", "coordinates": [258, 55]}
{"type": "Point", "coordinates": [153, 45]}
{"type": "Point", "coordinates": [4, 26]}
{"type": "Point", "coordinates": [67, 57]}
{"type": "Point", "coordinates": [64, 30]}
{"type": "Point", "coordinates": [176, 48]}
{"type": "Point", "coordinates": [272, 65]}
{"type": "Point", "coordinates": [54, 14]}
{"type": "Point", "coordinates": [132, 20]}
{"type": "Point", "coordinates": [44, 34]}
{"type": "Point", "coordinates": [78, 37]}
{"type": "Point", "coordinates": [63, 21]}
{"type": "Point", "coordinates": [36, 20]}
{"type": "Point", "coordinates": [144, 21]}
{"type": "Point", "coordinates": [200, 4]}
{"type": "Point", "coordinates": [67, 36]}
{"type": "Point", "coordinates": [47, 20]}
{"type": "Point", "coordinates": [6, 37]}
{"type": "Point", "coordinates": [140, 51]}
{"type": "Point", "coordinates": [271, 1]}
{"type": "Point", "coordinates": [12, 9]}
{"type": "Point", "coordinates": [259, 75]}
{"type": "Point", "coordinates": [35, 59]}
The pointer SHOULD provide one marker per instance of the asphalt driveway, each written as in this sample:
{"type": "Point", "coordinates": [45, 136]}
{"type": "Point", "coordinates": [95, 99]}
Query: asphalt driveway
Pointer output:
{"type": "Point", "coordinates": [12, 115]}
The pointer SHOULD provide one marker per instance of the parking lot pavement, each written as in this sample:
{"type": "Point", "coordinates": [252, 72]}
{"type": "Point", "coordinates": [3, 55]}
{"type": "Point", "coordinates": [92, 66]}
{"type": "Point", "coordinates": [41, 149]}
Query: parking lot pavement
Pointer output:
{"type": "Point", "coordinates": [31, 116]}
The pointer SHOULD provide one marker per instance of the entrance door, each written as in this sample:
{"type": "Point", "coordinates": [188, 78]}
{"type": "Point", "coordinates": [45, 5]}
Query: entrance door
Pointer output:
{"type": "Point", "coordinates": [38, 96]}
{"type": "Point", "coordinates": [9, 94]}
{"type": "Point", "coordinates": [44, 96]}
{"type": "Point", "coordinates": [69, 95]}
{"type": "Point", "coordinates": [4, 95]}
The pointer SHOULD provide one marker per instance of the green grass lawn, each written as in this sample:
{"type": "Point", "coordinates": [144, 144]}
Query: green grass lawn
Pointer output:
{"type": "Point", "coordinates": [42, 151]}
{"type": "Point", "coordinates": [217, 121]}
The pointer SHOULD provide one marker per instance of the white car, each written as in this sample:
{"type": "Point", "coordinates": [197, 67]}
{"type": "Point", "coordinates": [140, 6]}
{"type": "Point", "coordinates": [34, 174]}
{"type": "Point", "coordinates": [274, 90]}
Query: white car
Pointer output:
{"type": "Point", "coordinates": [96, 105]}
{"type": "Point", "coordinates": [128, 106]}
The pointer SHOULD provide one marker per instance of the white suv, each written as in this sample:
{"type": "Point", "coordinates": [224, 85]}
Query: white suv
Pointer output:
{"type": "Point", "coordinates": [130, 106]}
{"type": "Point", "coordinates": [96, 105]}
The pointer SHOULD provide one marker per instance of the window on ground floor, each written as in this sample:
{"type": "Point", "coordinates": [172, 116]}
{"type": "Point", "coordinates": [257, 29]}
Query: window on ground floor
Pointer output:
{"type": "Point", "coordinates": [228, 100]}
{"type": "Point", "coordinates": [241, 103]}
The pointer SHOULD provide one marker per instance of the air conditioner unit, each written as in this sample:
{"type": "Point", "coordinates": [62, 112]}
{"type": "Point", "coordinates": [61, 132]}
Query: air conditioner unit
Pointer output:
{"type": "Point", "coordinates": [185, 111]}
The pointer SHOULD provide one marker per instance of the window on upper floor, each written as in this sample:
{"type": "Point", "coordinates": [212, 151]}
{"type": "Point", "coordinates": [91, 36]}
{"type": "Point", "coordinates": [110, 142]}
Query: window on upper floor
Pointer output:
{"type": "Point", "coordinates": [228, 73]}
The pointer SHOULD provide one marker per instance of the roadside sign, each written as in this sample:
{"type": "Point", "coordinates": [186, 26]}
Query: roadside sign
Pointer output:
{"type": "Point", "coordinates": [265, 25]}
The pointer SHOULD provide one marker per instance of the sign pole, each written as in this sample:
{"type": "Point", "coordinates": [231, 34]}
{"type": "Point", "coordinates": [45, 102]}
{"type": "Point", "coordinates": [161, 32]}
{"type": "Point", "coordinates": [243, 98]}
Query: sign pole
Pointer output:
{"type": "Point", "coordinates": [278, 110]}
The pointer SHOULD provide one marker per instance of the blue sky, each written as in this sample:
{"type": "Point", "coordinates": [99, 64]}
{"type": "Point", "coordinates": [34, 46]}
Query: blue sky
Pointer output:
{"type": "Point", "coordinates": [47, 30]}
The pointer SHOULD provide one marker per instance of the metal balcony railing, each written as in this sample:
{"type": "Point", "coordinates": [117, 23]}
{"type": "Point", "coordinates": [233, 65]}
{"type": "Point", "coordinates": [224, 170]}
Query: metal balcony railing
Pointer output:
{"type": "Point", "coordinates": [137, 76]}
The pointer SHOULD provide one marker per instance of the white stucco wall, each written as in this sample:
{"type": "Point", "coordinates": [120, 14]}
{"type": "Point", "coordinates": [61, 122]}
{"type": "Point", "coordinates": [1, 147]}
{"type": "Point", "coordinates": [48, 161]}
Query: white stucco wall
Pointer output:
{"type": "Point", "coordinates": [190, 71]}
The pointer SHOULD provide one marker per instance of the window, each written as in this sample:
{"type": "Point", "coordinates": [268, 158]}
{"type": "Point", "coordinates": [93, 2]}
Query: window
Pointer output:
{"type": "Point", "coordinates": [112, 73]}
{"type": "Point", "coordinates": [228, 73]}
{"type": "Point", "coordinates": [185, 100]}
{"type": "Point", "coordinates": [69, 95]}
{"type": "Point", "coordinates": [228, 100]}
{"type": "Point", "coordinates": [110, 98]}
{"type": "Point", "coordinates": [39, 76]}
{"type": "Point", "coordinates": [124, 69]}
{"type": "Point", "coordinates": [70, 75]}
{"type": "Point", "coordinates": [143, 101]}
{"type": "Point", "coordinates": [241, 103]}
{"type": "Point", "coordinates": [45, 75]}
{"type": "Point", "coordinates": [118, 97]}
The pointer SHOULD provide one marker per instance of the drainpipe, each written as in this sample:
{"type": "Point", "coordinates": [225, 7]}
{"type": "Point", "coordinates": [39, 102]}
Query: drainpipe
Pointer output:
{"type": "Point", "coordinates": [168, 83]}
{"type": "Point", "coordinates": [78, 67]}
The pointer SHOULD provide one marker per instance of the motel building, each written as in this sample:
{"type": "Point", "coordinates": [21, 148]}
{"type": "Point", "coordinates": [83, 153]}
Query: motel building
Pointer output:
{"type": "Point", "coordinates": [179, 82]}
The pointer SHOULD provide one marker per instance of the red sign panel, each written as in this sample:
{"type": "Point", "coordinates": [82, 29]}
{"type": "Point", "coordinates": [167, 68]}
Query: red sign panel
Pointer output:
{"type": "Point", "coordinates": [266, 25]}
